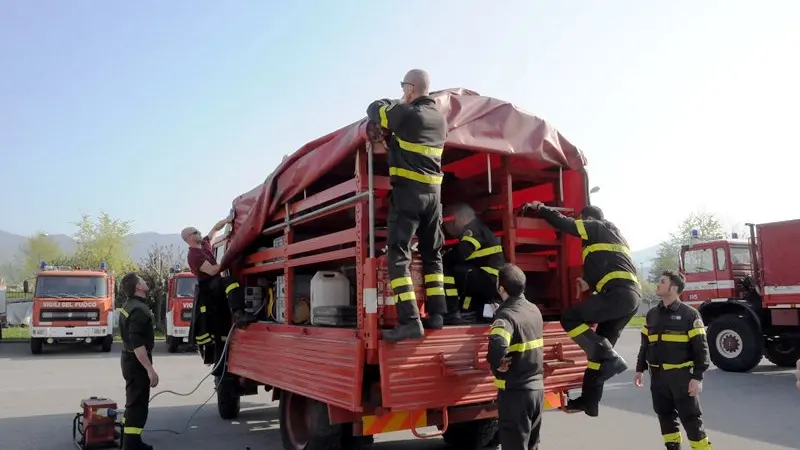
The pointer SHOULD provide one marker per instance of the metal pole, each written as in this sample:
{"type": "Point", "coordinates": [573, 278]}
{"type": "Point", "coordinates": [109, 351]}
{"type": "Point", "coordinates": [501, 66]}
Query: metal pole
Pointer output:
{"type": "Point", "coordinates": [560, 186]}
{"type": "Point", "coordinates": [318, 212]}
{"type": "Point", "coordinates": [371, 192]}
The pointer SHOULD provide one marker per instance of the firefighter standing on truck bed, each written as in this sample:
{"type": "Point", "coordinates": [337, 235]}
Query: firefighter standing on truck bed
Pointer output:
{"type": "Point", "coordinates": [136, 328]}
{"type": "Point", "coordinates": [415, 145]}
{"type": "Point", "coordinates": [609, 271]}
{"type": "Point", "coordinates": [471, 268]}
{"type": "Point", "coordinates": [675, 349]}
{"type": "Point", "coordinates": [516, 358]}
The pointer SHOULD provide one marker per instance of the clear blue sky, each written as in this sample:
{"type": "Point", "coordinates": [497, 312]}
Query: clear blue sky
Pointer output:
{"type": "Point", "coordinates": [123, 106]}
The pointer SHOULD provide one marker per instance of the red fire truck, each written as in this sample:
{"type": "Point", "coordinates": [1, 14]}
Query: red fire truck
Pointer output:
{"type": "Point", "coordinates": [72, 305]}
{"type": "Point", "coordinates": [324, 211]}
{"type": "Point", "coordinates": [748, 292]}
{"type": "Point", "coordinates": [180, 297]}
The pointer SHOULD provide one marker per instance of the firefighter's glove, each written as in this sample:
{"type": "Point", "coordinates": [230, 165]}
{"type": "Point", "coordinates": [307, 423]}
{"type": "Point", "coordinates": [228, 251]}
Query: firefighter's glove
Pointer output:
{"type": "Point", "coordinates": [375, 133]}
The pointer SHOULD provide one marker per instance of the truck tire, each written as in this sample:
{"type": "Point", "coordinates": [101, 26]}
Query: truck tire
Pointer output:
{"type": "Point", "coordinates": [36, 345]}
{"type": "Point", "coordinates": [783, 352]}
{"type": "Point", "coordinates": [172, 344]}
{"type": "Point", "coordinates": [474, 435]}
{"type": "Point", "coordinates": [350, 442]}
{"type": "Point", "coordinates": [304, 424]}
{"type": "Point", "coordinates": [107, 343]}
{"type": "Point", "coordinates": [228, 399]}
{"type": "Point", "coordinates": [734, 344]}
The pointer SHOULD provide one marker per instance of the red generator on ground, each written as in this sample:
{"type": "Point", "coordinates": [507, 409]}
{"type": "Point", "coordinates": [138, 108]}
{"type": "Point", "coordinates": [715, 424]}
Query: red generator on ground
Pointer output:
{"type": "Point", "coordinates": [322, 216]}
{"type": "Point", "coordinates": [96, 426]}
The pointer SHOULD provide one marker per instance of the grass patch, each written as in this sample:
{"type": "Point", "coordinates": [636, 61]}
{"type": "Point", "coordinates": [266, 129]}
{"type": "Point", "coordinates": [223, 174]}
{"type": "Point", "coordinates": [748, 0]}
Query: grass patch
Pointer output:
{"type": "Point", "coordinates": [637, 322]}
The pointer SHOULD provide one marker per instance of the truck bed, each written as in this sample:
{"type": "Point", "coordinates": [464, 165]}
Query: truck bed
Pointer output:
{"type": "Point", "coordinates": [779, 245]}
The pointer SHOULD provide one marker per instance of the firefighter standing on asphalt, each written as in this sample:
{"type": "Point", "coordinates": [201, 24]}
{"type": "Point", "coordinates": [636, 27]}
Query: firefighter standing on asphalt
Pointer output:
{"type": "Point", "coordinates": [136, 328]}
{"type": "Point", "coordinates": [471, 268]}
{"type": "Point", "coordinates": [675, 349]}
{"type": "Point", "coordinates": [516, 359]}
{"type": "Point", "coordinates": [608, 270]}
{"type": "Point", "coordinates": [415, 144]}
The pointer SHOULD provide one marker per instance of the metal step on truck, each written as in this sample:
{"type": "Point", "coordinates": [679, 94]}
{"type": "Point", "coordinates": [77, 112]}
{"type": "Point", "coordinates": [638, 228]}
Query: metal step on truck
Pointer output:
{"type": "Point", "coordinates": [748, 292]}
{"type": "Point", "coordinates": [312, 236]}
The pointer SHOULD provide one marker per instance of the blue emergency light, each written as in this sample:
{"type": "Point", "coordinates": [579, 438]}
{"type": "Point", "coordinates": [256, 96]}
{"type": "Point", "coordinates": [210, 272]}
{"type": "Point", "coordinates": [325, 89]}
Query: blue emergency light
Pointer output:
{"type": "Point", "coordinates": [177, 267]}
{"type": "Point", "coordinates": [42, 265]}
{"type": "Point", "coordinates": [695, 233]}
{"type": "Point", "coordinates": [103, 265]}
{"type": "Point", "coordinates": [734, 236]}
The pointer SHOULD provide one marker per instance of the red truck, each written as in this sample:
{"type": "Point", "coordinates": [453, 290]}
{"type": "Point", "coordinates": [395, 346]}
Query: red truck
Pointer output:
{"type": "Point", "coordinates": [314, 233]}
{"type": "Point", "coordinates": [178, 316]}
{"type": "Point", "coordinates": [748, 292]}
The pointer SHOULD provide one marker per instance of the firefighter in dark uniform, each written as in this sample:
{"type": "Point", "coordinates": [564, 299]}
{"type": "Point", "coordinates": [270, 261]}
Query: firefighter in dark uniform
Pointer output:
{"type": "Point", "coordinates": [675, 349]}
{"type": "Point", "coordinates": [516, 358]}
{"type": "Point", "coordinates": [471, 267]}
{"type": "Point", "coordinates": [416, 136]}
{"type": "Point", "coordinates": [136, 328]}
{"type": "Point", "coordinates": [609, 272]}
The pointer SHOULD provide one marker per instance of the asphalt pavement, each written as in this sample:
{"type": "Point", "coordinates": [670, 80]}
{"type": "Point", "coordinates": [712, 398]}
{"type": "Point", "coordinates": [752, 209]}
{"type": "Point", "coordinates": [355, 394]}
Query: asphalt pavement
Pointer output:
{"type": "Point", "coordinates": [40, 395]}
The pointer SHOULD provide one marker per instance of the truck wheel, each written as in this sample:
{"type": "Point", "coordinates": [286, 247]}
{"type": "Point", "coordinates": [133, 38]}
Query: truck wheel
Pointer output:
{"type": "Point", "coordinates": [783, 352]}
{"type": "Point", "coordinates": [36, 345]}
{"type": "Point", "coordinates": [172, 344]}
{"type": "Point", "coordinates": [474, 435]}
{"type": "Point", "coordinates": [734, 344]}
{"type": "Point", "coordinates": [304, 424]}
{"type": "Point", "coordinates": [228, 399]}
{"type": "Point", "coordinates": [350, 442]}
{"type": "Point", "coordinates": [108, 341]}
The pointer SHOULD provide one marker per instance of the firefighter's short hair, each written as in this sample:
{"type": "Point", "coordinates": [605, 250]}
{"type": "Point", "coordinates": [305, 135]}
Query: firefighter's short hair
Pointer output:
{"type": "Point", "coordinates": [592, 212]}
{"type": "Point", "coordinates": [512, 279]}
{"type": "Point", "coordinates": [675, 279]}
{"type": "Point", "coordinates": [128, 284]}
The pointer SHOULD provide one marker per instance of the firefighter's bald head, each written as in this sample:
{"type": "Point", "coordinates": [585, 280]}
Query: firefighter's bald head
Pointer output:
{"type": "Point", "coordinates": [415, 84]}
{"type": "Point", "coordinates": [191, 235]}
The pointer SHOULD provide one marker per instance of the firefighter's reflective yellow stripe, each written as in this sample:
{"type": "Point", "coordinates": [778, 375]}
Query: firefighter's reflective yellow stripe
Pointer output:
{"type": "Point", "coordinates": [394, 421]}
{"type": "Point", "coordinates": [673, 366]}
{"type": "Point", "coordinates": [581, 230]}
{"type": "Point", "coordinates": [434, 278]}
{"type": "Point", "coordinates": [467, 302]}
{"type": "Point", "coordinates": [472, 241]}
{"type": "Point", "coordinates": [415, 176]}
{"type": "Point", "coordinates": [645, 331]}
{"type": "Point", "coordinates": [132, 430]}
{"type": "Point", "coordinates": [499, 331]}
{"type": "Point", "coordinates": [668, 337]}
{"type": "Point", "coordinates": [123, 312]}
{"type": "Point", "coordinates": [485, 252]}
{"type": "Point", "coordinates": [696, 332]}
{"type": "Point", "coordinates": [702, 444]}
{"type": "Point", "coordinates": [617, 275]}
{"type": "Point", "coordinates": [592, 365]}
{"type": "Point", "coordinates": [405, 296]}
{"type": "Point", "coordinates": [606, 248]}
{"type": "Point", "coordinates": [491, 271]}
{"type": "Point", "coordinates": [672, 438]}
{"type": "Point", "coordinates": [231, 287]}
{"type": "Point", "coordinates": [382, 115]}
{"type": "Point", "coordinates": [451, 292]}
{"type": "Point", "coordinates": [419, 148]}
{"type": "Point", "coordinates": [203, 339]}
{"type": "Point", "coordinates": [203, 309]}
{"type": "Point", "coordinates": [434, 291]}
{"type": "Point", "coordinates": [403, 281]}
{"type": "Point", "coordinates": [499, 384]}
{"type": "Point", "coordinates": [577, 331]}
{"type": "Point", "coordinates": [449, 280]}
{"type": "Point", "coordinates": [525, 346]}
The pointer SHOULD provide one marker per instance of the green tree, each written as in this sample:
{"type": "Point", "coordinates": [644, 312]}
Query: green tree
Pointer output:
{"type": "Point", "coordinates": [154, 268]}
{"type": "Point", "coordinates": [103, 240]}
{"type": "Point", "coordinates": [709, 226]}
{"type": "Point", "coordinates": [37, 248]}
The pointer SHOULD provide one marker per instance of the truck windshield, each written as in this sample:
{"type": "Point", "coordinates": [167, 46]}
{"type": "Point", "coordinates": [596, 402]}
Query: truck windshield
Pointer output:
{"type": "Point", "coordinates": [184, 287]}
{"type": "Point", "coordinates": [71, 286]}
{"type": "Point", "coordinates": [740, 256]}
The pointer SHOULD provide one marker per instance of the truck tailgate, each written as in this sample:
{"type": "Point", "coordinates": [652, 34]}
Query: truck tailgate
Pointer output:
{"type": "Point", "coordinates": [448, 368]}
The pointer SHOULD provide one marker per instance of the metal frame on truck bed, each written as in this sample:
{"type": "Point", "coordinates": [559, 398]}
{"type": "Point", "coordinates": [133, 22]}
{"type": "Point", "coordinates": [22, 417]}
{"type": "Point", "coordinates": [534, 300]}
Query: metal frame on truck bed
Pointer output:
{"type": "Point", "coordinates": [336, 384]}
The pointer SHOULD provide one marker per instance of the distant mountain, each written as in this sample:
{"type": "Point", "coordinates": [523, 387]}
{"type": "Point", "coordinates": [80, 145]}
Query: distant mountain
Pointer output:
{"type": "Point", "coordinates": [644, 258]}
{"type": "Point", "coordinates": [140, 243]}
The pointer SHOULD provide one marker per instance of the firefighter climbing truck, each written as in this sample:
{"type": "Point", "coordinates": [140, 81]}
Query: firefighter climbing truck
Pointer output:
{"type": "Point", "coordinates": [312, 237]}
{"type": "Point", "coordinates": [180, 297]}
{"type": "Point", "coordinates": [748, 292]}
{"type": "Point", "coordinates": [72, 305]}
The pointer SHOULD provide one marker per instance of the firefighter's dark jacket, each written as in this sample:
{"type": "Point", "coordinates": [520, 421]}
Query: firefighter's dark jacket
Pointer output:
{"type": "Point", "coordinates": [607, 259]}
{"type": "Point", "coordinates": [674, 337]}
{"type": "Point", "coordinates": [418, 134]}
{"type": "Point", "coordinates": [136, 325]}
{"type": "Point", "coordinates": [479, 246]}
{"type": "Point", "coordinates": [203, 322]}
{"type": "Point", "coordinates": [517, 333]}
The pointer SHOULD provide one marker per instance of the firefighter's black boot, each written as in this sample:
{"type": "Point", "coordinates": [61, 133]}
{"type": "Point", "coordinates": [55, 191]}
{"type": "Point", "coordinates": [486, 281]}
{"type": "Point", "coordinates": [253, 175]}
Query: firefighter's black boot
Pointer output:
{"type": "Point", "coordinates": [134, 442]}
{"type": "Point", "coordinates": [433, 322]}
{"type": "Point", "coordinates": [454, 318]}
{"type": "Point", "coordinates": [611, 366]}
{"type": "Point", "coordinates": [242, 318]}
{"type": "Point", "coordinates": [584, 404]}
{"type": "Point", "coordinates": [409, 325]}
{"type": "Point", "coordinates": [673, 446]}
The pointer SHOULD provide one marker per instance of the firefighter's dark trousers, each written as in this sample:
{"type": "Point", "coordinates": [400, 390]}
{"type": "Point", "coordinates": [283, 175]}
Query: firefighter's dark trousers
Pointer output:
{"type": "Point", "coordinates": [417, 213]}
{"type": "Point", "coordinates": [469, 288]}
{"type": "Point", "coordinates": [671, 401]}
{"type": "Point", "coordinates": [220, 288]}
{"type": "Point", "coordinates": [520, 418]}
{"type": "Point", "coordinates": [137, 398]}
{"type": "Point", "coordinates": [611, 310]}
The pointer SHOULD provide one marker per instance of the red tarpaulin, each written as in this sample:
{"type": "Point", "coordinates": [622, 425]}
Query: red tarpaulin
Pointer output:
{"type": "Point", "coordinates": [475, 122]}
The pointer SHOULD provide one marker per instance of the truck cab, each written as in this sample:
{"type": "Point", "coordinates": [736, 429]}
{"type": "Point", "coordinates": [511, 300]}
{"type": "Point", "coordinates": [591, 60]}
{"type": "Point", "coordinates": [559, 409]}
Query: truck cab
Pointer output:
{"type": "Point", "coordinates": [714, 270]}
{"type": "Point", "coordinates": [72, 305]}
{"type": "Point", "coordinates": [181, 286]}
